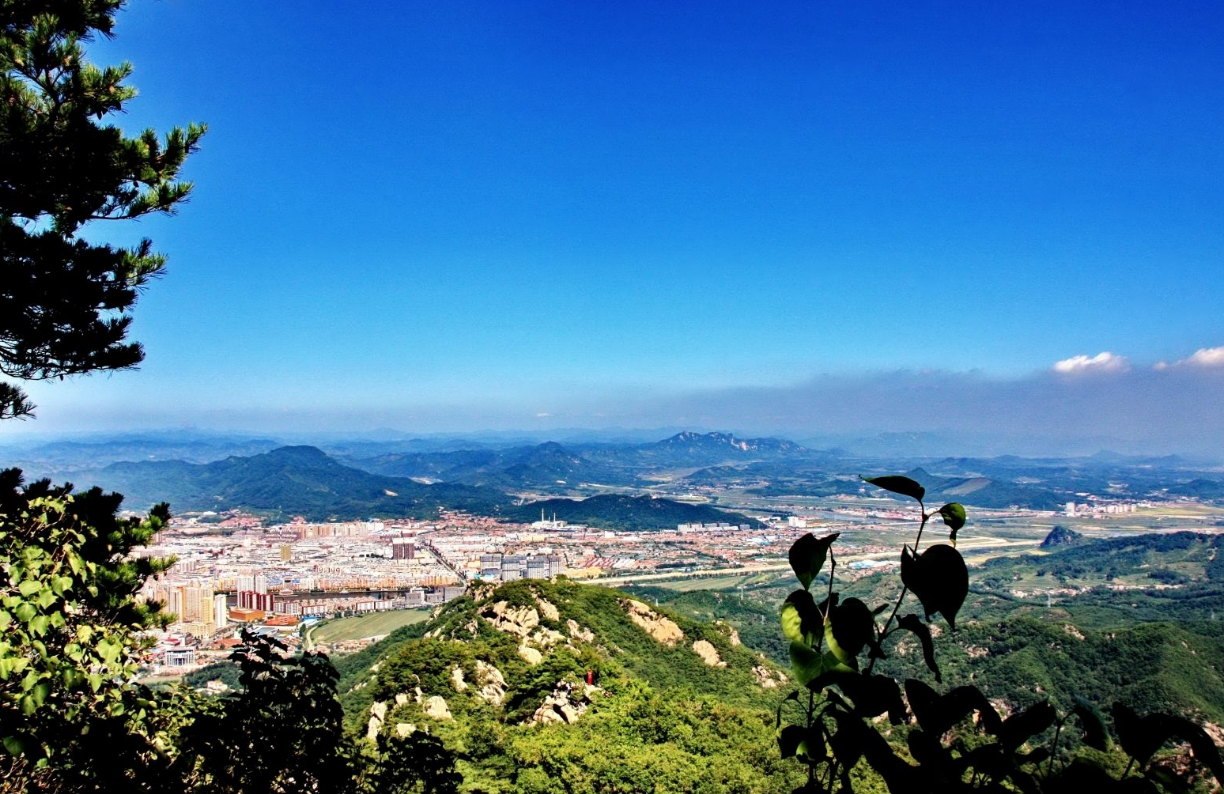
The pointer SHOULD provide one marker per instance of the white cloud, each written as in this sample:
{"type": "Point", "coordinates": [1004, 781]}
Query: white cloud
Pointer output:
{"type": "Point", "coordinates": [1101, 362]}
{"type": "Point", "coordinates": [1203, 358]}
{"type": "Point", "coordinates": [1206, 357]}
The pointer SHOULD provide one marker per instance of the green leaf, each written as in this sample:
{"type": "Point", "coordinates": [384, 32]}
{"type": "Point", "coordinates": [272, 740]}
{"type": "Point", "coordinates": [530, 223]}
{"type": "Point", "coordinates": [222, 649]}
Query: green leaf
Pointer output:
{"type": "Point", "coordinates": [873, 695]}
{"type": "Point", "coordinates": [38, 625]}
{"type": "Point", "coordinates": [1024, 725]}
{"type": "Point", "coordinates": [898, 484]}
{"type": "Point", "coordinates": [805, 662]}
{"type": "Point", "coordinates": [850, 628]}
{"type": "Point", "coordinates": [914, 625]}
{"type": "Point", "coordinates": [807, 556]}
{"type": "Point", "coordinates": [801, 620]}
{"type": "Point", "coordinates": [14, 745]}
{"type": "Point", "coordinates": [812, 746]}
{"type": "Point", "coordinates": [841, 654]}
{"type": "Point", "coordinates": [1095, 733]}
{"type": "Point", "coordinates": [40, 692]}
{"type": "Point", "coordinates": [939, 578]}
{"type": "Point", "coordinates": [808, 665]}
{"type": "Point", "coordinates": [29, 587]}
{"type": "Point", "coordinates": [25, 611]}
{"type": "Point", "coordinates": [789, 739]}
{"type": "Point", "coordinates": [108, 650]}
{"type": "Point", "coordinates": [953, 514]}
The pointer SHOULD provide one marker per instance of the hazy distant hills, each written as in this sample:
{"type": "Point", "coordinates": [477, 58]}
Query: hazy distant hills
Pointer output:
{"type": "Point", "coordinates": [305, 481]}
{"type": "Point", "coordinates": [1200, 489]}
{"type": "Point", "coordinates": [60, 456]}
{"type": "Point", "coordinates": [225, 472]}
{"type": "Point", "coordinates": [620, 511]}
{"type": "Point", "coordinates": [288, 481]}
{"type": "Point", "coordinates": [703, 446]}
{"type": "Point", "coordinates": [545, 466]}
{"type": "Point", "coordinates": [552, 466]}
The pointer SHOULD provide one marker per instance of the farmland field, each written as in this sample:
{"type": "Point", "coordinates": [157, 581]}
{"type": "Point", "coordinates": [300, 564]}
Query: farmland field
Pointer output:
{"type": "Point", "coordinates": [361, 626]}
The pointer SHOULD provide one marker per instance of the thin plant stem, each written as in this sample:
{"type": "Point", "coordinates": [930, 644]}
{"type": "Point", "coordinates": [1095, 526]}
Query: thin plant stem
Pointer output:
{"type": "Point", "coordinates": [904, 589]}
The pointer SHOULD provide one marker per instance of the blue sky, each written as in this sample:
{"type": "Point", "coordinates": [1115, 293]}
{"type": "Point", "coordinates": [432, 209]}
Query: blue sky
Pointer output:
{"type": "Point", "coordinates": [469, 215]}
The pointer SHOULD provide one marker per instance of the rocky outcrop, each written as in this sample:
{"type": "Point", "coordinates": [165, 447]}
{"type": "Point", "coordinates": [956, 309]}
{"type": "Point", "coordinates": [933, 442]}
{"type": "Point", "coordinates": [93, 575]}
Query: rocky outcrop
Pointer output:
{"type": "Point", "coordinates": [519, 621]}
{"type": "Point", "coordinates": [768, 679]}
{"type": "Point", "coordinates": [530, 655]}
{"type": "Point", "coordinates": [729, 630]}
{"type": "Point", "coordinates": [457, 680]}
{"type": "Point", "coordinates": [491, 683]}
{"type": "Point", "coordinates": [708, 653]}
{"type": "Point", "coordinates": [436, 707]}
{"type": "Point", "coordinates": [578, 632]}
{"type": "Point", "coordinates": [565, 704]}
{"type": "Point", "coordinates": [1214, 731]}
{"type": "Point", "coordinates": [546, 609]}
{"type": "Point", "coordinates": [378, 713]}
{"type": "Point", "coordinates": [402, 699]}
{"type": "Point", "coordinates": [402, 729]}
{"type": "Point", "coordinates": [546, 637]}
{"type": "Point", "coordinates": [662, 629]}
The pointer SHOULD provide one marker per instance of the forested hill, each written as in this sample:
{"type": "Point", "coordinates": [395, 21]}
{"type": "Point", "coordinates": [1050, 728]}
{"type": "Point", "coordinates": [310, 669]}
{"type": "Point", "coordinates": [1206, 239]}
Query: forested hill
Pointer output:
{"type": "Point", "coordinates": [305, 481]}
{"type": "Point", "coordinates": [500, 676]}
{"type": "Point", "coordinates": [619, 511]}
{"type": "Point", "coordinates": [286, 481]}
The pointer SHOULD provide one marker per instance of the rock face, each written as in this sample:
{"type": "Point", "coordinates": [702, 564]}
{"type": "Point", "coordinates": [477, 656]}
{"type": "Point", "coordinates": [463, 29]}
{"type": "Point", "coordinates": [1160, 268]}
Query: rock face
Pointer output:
{"type": "Point", "coordinates": [519, 621]}
{"type": "Point", "coordinates": [402, 729]}
{"type": "Point", "coordinates": [457, 679]}
{"type": "Point", "coordinates": [546, 637]}
{"type": "Point", "coordinates": [729, 630]}
{"type": "Point", "coordinates": [378, 713]}
{"type": "Point", "coordinates": [578, 632]}
{"type": "Point", "coordinates": [768, 679]}
{"type": "Point", "coordinates": [436, 707]}
{"type": "Point", "coordinates": [530, 655]}
{"type": "Point", "coordinates": [491, 682]}
{"type": "Point", "coordinates": [563, 705]}
{"type": "Point", "coordinates": [708, 653]}
{"type": "Point", "coordinates": [663, 629]}
{"type": "Point", "coordinates": [547, 610]}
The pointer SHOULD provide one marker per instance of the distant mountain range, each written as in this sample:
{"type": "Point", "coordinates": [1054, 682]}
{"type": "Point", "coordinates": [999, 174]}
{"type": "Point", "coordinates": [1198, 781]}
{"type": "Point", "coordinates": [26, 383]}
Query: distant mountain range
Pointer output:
{"type": "Point", "coordinates": [414, 477]}
{"type": "Point", "coordinates": [305, 481]}
{"type": "Point", "coordinates": [286, 481]}
{"type": "Point", "coordinates": [544, 466]}
{"type": "Point", "coordinates": [551, 466]}
{"type": "Point", "coordinates": [620, 511]}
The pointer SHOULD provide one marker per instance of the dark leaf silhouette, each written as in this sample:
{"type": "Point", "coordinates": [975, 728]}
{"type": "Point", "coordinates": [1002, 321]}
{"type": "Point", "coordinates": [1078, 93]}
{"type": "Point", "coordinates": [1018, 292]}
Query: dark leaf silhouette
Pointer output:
{"type": "Point", "coordinates": [914, 624]}
{"type": "Point", "coordinates": [898, 484]}
{"type": "Point", "coordinates": [807, 556]}
{"type": "Point", "coordinates": [939, 578]}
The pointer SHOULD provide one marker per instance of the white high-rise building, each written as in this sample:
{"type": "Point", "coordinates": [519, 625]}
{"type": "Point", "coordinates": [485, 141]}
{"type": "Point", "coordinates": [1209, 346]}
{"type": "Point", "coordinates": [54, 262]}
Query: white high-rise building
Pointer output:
{"type": "Point", "coordinates": [220, 611]}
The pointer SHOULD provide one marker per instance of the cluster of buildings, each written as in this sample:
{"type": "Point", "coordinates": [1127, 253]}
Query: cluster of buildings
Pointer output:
{"type": "Point", "coordinates": [1098, 509]}
{"type": "Point", "coordinates": [508, 567]}
{"type": "Point", "coordinates": [720, 527]}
